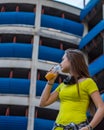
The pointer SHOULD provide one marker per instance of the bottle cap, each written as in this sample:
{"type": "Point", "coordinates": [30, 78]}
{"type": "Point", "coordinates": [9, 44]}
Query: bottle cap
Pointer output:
{"type": "Point", "coordinates": [57, 68]}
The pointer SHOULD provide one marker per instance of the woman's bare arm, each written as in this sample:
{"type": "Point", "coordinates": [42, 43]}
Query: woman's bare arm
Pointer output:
{"type": "Point", "coordinates": [100, 109]}
{"type": "Point", "coordinates": [47, 97]}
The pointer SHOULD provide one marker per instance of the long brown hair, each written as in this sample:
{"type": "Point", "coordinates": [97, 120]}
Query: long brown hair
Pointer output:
{"type": "Point", "coordinates": [79, 67]}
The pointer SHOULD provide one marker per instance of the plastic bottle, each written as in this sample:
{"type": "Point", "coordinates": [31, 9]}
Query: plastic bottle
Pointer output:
{"type": "Point", "coordinates": [52, 73]}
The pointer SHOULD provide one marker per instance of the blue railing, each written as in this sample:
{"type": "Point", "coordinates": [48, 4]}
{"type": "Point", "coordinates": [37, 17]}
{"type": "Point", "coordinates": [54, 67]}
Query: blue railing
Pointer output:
{"type": "Point", "coordinates": [17, 18]}
{"type": "Point", "coordinates": [20, 123]}
{"type": "Point", "coordinates": [50, 54]}
{"type": "Point", "coordinates": [18, 50]}
{"type": "Point", "coordinates": [14, 86]}
{"type": "Point", "coordinates": [62, 24]}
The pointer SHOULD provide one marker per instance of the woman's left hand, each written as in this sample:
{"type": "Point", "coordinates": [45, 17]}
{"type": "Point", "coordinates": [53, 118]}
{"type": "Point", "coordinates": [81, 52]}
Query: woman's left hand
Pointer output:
{"type": "Point", "coordinates": [84, 128]}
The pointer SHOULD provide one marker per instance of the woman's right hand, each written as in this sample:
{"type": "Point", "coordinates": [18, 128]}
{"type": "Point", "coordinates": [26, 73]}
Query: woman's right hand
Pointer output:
{"type": "Point", "coordinates": [51, 76]}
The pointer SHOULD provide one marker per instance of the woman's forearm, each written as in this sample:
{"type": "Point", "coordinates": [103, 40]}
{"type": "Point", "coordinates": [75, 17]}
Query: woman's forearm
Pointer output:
{"type": "Point", "coordinates": [45, 94]}
{"type": "Point", "coordinates": [99, 115]}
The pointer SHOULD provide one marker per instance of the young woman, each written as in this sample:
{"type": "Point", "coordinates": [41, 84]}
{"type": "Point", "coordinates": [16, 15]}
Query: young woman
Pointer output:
{"type": "Point", "coordinates": [75, 94]}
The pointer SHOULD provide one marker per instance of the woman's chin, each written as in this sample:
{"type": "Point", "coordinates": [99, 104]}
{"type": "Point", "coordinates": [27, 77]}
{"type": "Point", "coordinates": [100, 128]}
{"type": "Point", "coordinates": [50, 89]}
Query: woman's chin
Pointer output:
{"type": "Point", "coordinates": [64, 71]}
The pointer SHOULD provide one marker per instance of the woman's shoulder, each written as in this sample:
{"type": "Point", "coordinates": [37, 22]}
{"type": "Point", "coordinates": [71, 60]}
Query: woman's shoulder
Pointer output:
{"type": "Point", "coordinates": [91, 80]}
{"type": "Point", "coordinates": [89, 85]}
{"type": "Point", "coordinates": [87, 80]}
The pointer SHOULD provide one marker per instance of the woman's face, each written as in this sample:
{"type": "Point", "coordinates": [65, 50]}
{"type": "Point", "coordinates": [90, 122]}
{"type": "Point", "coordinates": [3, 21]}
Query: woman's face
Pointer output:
{"type": "Point", "coordinates": [65, 64]}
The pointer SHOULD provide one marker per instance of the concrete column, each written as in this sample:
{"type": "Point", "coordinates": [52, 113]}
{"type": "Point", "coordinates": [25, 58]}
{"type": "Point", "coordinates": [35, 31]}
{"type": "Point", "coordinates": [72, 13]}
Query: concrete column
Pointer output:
{"type": "Point", "coordinates": [31, 113]}
{"type": "Point", "coordinates": [38, 14]}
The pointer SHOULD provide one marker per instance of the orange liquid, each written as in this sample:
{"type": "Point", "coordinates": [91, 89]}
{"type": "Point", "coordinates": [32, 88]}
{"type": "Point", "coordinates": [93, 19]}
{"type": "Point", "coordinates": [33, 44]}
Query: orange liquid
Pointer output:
{"type": "Point", "coordinates": [50, 75]}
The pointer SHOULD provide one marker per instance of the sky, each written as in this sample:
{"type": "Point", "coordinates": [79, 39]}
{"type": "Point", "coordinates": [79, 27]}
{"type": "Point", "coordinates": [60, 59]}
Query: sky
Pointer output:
{"type": "Point", "coordinates": [77, 3]}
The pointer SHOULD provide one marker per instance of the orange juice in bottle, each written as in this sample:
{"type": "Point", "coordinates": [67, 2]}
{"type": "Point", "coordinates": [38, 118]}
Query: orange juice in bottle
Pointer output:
{"type": "Point", "coordinates": [52, 73]}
